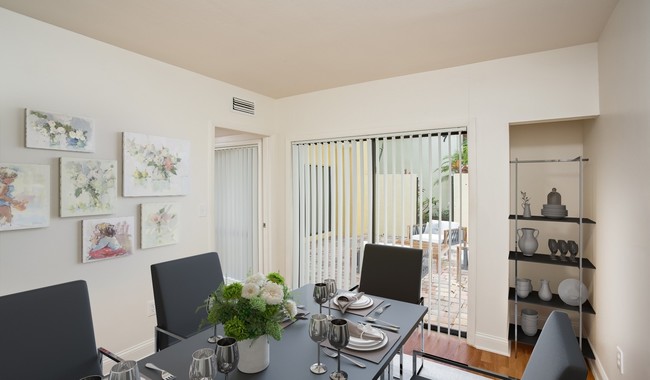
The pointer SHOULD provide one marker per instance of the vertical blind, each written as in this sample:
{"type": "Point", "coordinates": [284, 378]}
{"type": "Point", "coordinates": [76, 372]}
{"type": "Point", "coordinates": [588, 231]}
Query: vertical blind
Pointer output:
{"type": "Point", "coordinates": [383, 190]}
{"type": "Point", "coordinates": [236, 210]}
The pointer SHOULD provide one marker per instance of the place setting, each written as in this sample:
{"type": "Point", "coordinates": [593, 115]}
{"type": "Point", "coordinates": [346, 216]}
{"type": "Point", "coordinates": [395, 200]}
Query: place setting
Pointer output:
{"type": "Point", "coordinates": [346, 302]}
{"type": "Point", "coordinates": [365, 341]}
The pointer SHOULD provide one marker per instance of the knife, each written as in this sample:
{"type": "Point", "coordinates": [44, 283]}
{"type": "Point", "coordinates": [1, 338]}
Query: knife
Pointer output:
{"type": "Point", "coordinates": [389, 328]}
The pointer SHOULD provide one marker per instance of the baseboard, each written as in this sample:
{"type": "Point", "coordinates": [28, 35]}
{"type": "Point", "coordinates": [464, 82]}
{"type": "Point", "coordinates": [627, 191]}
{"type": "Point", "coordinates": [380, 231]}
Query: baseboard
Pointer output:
{"type": "Point", "coordinates": [596, 366]}
{"type": "Point", "coordinates": [492, 344]}
{"type": "Point", "coordinates": [136, 352]}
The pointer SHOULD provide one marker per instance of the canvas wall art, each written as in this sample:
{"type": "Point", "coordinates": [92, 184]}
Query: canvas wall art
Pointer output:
{"type": "Point", "coordinates": [88, 187]}
{"type": "Point", "coordinates": [159, 224]}
{"type": "Point", "coordinates": [46, 130]}
{"type": "Point", "coordinates": [155, 166]}
{"type": "Point", "coordinates": [24, 196]}
{"type": "Point", "coordinates": [107, 238]}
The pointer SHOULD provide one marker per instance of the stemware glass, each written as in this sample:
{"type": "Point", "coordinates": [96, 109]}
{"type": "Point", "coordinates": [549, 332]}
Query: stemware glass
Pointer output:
{"type": "Point", "coordinates": [204, 365]}
{"type": "Point", "coordinates": [331, 293]}
{"type": "Point", "coordinates": [213, 338]}
{"type": "Point", "coordinates": [339, 337]}
{"type": "Point", "coordinates": [126, 370]}
{"type": "Point", "coordinates": [318, 329]}
{"type": "Point", "coordinates": [227, 355]}
{"type": "Point", "coordinates": [320, 295]}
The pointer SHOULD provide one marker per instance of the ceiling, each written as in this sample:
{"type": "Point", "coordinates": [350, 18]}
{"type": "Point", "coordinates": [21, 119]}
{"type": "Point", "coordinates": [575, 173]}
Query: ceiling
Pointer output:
{"type": "Point", "coordinates": [281, 48]}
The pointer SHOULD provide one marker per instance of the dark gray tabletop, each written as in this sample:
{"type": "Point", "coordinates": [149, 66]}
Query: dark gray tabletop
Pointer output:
{"type": "Point", "coordinates": [295, 352]}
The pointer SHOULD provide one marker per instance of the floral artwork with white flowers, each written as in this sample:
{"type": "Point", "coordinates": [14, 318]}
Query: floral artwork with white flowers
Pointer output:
{"type": "Point", "coordinates": [24, 196]}
{"type": "Point", "coordinates": [46, 130]}
{"type": "Point", "coordinates": [159, 224]}
{"type": "Point", "coordinates": [88, 187]}
{"type": "Point", "coordinates": [107, 238]}
{"type": "Point", "coordinates": [155, 166]}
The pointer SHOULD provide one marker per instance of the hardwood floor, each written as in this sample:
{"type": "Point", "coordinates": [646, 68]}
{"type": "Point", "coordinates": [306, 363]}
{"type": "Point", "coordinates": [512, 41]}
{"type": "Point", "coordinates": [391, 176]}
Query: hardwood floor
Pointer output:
{"type": "Point", "coordinates": [457, 349]}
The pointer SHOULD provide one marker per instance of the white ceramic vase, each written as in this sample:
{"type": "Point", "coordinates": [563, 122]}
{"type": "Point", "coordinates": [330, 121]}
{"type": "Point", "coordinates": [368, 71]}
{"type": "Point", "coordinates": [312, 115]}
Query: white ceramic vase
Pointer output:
{"type": "Point", "coordinates": [528, 240]}
{"type": "Point", "coordinates": [529, 321]}
{"type": "Point", "coordinates": [544, 291]}
{"type": "Point", "coordinates": [254, 354]}
{"type": "Point", "coordinates": [526, 213]}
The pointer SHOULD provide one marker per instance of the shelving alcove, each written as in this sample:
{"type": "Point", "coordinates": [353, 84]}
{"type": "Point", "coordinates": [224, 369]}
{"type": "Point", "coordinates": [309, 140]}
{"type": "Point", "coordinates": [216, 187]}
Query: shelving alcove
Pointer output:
{"type": "Point", "coordinates": [515, 332]}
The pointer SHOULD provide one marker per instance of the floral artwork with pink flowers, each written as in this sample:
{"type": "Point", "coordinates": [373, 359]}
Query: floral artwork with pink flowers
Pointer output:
{"type": "Point", "coordinates": [155, 166]}
{"type": "Point", "coordinates": [107, 238]}
{"type": "Point", "coordinates": [159, 224]}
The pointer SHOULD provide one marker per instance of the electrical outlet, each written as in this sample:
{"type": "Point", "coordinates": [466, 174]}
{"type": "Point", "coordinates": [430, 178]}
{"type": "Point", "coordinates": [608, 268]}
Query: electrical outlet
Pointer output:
{"type": "Point", "coordinates": [619, 359]}
{"type": "Point", "coordinates": [151, 308]}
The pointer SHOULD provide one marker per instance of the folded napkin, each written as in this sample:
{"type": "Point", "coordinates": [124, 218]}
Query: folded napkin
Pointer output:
{"type": "Point", "coordinates": [345, 300]}
{"type": "Point", "coordinates": [361, 331]}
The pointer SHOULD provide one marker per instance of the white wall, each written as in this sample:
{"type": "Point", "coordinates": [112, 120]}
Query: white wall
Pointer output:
{"type": "Point", "coordinates": [618, 142]}
{"type": "Point", "coordinates": [487, 97]}
{"type": "Point", "coordinates": [47, 68]}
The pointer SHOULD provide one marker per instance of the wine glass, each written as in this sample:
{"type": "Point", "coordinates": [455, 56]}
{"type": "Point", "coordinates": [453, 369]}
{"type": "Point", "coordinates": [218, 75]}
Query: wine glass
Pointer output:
{"type": "Point", "coordinates": [553, 246]}
{"type": "Point", "coordinates": [227, 355]}
{"type": "Point", "coordinates": [339, 337]}
{"type": "Point", "coordinates": [318, 329]}
{"type": "Point", "coordinates": [320, 295]}
{"type": "Point", "coordinates": [208, 306]}
{"type": "Point", "coordinates": [204, 365]}
{"type": "Point", "coordinates": [126, 370]}
{"type": "Point", "coordinates": [331, 292]}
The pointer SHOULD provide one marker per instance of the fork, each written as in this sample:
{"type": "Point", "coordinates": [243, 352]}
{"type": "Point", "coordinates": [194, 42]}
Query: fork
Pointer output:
{"type": "Point", "coordinates": [335, 354]}
{"type": "Point", "coordinates": [164, 374]}
{"type": "Point", "coordinates": [381, 309]}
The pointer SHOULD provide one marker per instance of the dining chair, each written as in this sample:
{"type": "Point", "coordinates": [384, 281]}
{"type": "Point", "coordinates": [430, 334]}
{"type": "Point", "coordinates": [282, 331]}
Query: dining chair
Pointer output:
{"type": "Point", "coordinates": [179, 287]}
{"type": "Point", "coordinates": [393, 272]}
{"type": "Point", "coordinates": [47, 333]}
{"type": "Point", "coordinates": [556, 355]}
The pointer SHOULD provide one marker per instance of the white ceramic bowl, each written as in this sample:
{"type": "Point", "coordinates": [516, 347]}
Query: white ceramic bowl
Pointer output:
{"type": "Point", "coordinates": [572, 292]}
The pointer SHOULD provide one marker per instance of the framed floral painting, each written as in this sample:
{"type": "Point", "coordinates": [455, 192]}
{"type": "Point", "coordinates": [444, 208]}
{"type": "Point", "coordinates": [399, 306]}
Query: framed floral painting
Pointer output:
{"type": "Point", "coordinates": [88, 187]}
{"type": "Point", "coordinates": [46, 130]}
{"type": "Point", "coordinates": [155, 166]}
{"type": "Point", "coordinates": [159, 224]}
{"type": "Point", "coordinates": [107, 238]}
{"type": "Point", "coordinates": [24, 196]}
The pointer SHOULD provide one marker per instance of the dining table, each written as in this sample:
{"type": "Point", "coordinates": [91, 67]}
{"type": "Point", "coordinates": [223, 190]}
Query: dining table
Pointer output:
{"type": "Point", "coordinates": [291, 356]}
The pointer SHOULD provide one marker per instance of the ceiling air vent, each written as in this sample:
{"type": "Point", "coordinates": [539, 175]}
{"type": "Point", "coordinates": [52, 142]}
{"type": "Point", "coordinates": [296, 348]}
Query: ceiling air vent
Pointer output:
{"type": "Point", "coordinates": [245, 106]}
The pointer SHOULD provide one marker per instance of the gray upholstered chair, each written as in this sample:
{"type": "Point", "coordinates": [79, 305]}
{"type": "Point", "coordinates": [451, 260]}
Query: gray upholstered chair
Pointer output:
{"type": "Point", "coordinates": [556, 355]}
{"type": "Point", "coordinates": [48, 333]}
{"type": "Point", "coordinates": [179, 287]}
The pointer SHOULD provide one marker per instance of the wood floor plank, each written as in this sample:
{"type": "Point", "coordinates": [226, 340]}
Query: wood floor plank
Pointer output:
{"type": "Point", "coordinates": [457, 349]}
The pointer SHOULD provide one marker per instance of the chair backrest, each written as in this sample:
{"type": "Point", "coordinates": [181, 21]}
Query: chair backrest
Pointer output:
{"type": "Point", "coordinates": [47, 333]}
{"type": "Point", "coordinates": [392, 271]}
{"type": "Point", "coordinates": [556, 354]}
{"type": "Point", "coordinates": [179, 287]}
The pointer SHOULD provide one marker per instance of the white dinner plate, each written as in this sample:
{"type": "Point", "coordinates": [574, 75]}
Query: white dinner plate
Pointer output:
{"type": "Point", "coordinates": [361, 303]}
{"type": "Point", "coordinates": [356, 345]}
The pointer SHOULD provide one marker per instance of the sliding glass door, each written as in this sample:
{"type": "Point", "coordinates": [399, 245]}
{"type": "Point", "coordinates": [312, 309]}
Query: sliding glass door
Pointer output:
{"type": "Point", "coordinates": [408, 190]}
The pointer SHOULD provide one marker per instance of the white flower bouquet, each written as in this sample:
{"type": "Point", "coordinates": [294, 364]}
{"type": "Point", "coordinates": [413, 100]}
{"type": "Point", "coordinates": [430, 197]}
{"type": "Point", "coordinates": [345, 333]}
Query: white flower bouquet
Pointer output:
{"type": "Point", "coordinates": [253, 308]}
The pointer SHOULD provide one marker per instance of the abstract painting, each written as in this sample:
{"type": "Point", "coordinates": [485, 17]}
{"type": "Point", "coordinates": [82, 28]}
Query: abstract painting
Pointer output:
{"type": "Point", "coordinates": [88, 187]}
{"type": "Point", "coordinates": [107, 238]}
{"type": "Point", "coordinates": [24, 196]}
{"type": "Point", "coordinates": [159, 224]}
{"type": "Point", "coordinates": [46, 130]}
{"type": "Point", "coordinates": [155, 166]}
